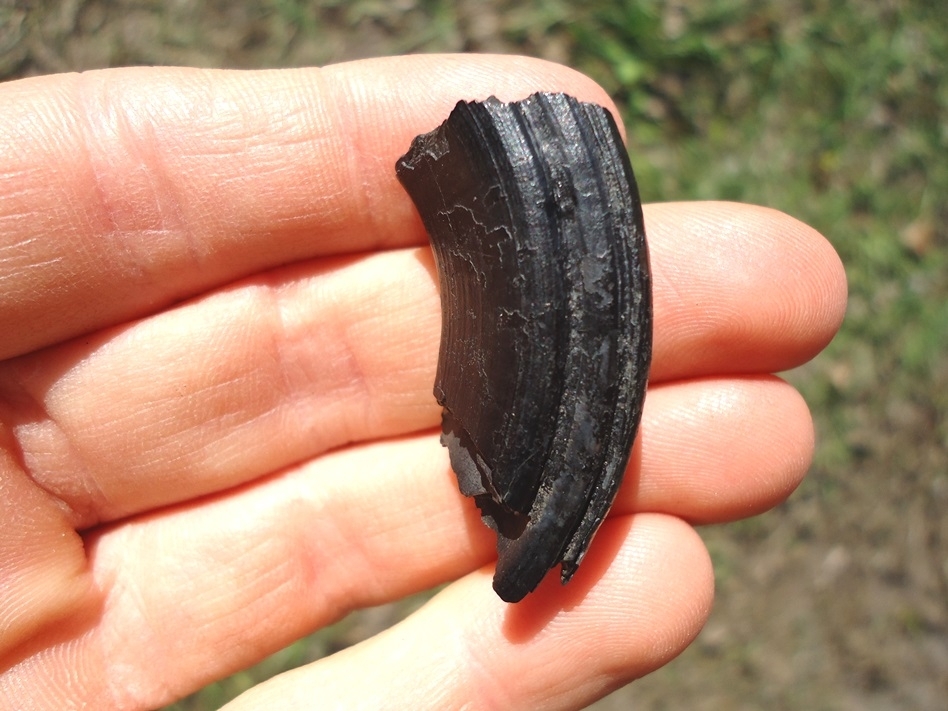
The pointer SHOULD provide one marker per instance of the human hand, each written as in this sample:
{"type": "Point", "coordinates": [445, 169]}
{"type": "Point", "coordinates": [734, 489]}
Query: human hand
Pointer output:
{"type": "Point", "coordinates": [217, 433]}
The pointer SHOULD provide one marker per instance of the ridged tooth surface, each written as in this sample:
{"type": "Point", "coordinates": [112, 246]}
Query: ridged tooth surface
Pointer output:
{"type": "Point", "coordinates": [536, 226]}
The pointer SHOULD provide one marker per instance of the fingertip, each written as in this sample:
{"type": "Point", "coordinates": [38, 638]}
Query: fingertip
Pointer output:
{"type": "Point", "coordinates": [720, 449]}
{"type": "Point", "coordinates": [640, 597]}
{"type": "Point", "coordinates": [739, 289]}
{"type": "Point", "coordinates": [815, 287]}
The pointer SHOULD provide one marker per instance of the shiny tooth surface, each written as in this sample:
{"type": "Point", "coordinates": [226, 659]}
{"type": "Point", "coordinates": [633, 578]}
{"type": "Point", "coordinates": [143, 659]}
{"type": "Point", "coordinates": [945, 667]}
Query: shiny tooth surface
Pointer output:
{"type": "Point", "coordinates": [536, 225]}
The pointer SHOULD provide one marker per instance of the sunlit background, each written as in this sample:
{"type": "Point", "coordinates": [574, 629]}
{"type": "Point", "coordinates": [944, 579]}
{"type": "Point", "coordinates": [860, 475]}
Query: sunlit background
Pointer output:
{"type": "Point", "coordinates": [836, 113]}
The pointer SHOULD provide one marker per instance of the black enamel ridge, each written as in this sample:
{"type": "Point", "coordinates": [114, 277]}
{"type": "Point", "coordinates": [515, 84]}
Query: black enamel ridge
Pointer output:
{"type": "Point", "coordinates": [536, 225]}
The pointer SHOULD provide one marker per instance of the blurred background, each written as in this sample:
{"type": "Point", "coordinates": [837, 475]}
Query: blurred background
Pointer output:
{"type": "Point", "coordinates": [836, 113]}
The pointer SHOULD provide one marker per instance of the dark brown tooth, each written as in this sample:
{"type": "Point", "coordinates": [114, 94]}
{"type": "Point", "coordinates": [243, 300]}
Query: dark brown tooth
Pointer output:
{"type": "Point", "coordinates": [536, 226]}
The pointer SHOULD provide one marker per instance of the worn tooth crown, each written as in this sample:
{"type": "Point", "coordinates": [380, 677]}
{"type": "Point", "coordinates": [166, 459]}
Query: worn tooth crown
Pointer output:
{"type": "Point", "coordinates": [536, 226]}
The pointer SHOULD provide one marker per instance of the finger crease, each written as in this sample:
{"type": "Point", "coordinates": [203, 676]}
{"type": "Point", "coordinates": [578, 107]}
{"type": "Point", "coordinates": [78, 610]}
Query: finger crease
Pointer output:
{"type": "Point", "coordinates": [81, 506]}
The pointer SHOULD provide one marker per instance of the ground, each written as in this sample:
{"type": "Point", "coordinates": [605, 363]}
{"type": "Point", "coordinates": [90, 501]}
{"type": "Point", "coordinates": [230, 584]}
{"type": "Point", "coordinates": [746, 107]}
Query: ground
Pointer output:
{"type": "Point", "coordinates": [833, 112]}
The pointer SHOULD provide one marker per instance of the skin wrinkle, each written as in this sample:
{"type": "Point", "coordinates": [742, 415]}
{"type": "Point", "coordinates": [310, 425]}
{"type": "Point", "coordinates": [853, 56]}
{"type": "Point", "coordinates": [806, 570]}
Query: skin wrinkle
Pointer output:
{"type": "Point", "coordinates": [99, 146]}
{"type": "Point", "coordinates": [34, 264]}
{"type": "Point", "coordinates": [286, 576]}
{"type": "Point", "coordinates": [349, 374]}
{"type": "Point", "coordinates": [46, 426]}
{"type": "Point", "coordinates": [206, 396]}
{"type": "Point", "coordinates": [350, 592]}
{"type": "Point", "coordinates": [276, 301]}
{"type": "Point", "coordinates": [279, 302]}
{"type": "Point", "coordinates": [125, 685]}
{"type": "Point", "coordinates": [366, 396]}
{"type": "Point", "coordinates": [345, 359]}
{"type": "Point", "coordinates": [374, 557]}
{"type": "Point", "coordinates": [15, 257]}
{"type": "Point", "coordinates": [137, 146]}
{"type": "Point", "coordinates": [41, 416]}
{"type": "Point", "coordinates": [170, 217]}
{"type": "Point", "coordinates": [128, 605]}
{"type": "Point", "coordinates": [336, 105]}
{"type": "Point", "coordinates": [157, 121]}
{"type": "Point", "coordinates": [306, 526]}
{"type": "Point", "coordinates": [320, 129]}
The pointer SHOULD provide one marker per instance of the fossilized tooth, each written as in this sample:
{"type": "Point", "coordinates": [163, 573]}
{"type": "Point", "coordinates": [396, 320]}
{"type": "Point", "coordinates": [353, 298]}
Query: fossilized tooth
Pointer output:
{"type": "Point", "coordinates": [536, 226]}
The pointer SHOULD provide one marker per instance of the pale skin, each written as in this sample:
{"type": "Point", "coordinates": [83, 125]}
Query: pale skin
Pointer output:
{"type": "Point", "coordinates": [220, 326]}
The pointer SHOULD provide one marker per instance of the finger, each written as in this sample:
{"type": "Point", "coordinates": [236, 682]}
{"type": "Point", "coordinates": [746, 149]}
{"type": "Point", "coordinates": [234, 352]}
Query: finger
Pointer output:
{"type": "Point", "coordinates": [286, 366]}
{"type": "Point", "coordinates": [718, 450]}
{"type": "Point", "coordinates": [278, 369]}
{"type": "Point", "coordinates": [641, 598]}
{"type": "Point", "coordinates": [247, 572]}
{"type": "Point", "coordinates": [739, 289]}
{"type": "Point", "coordinates": [126, 190]}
